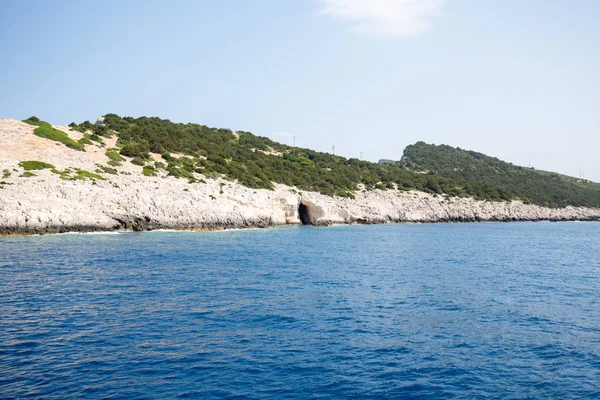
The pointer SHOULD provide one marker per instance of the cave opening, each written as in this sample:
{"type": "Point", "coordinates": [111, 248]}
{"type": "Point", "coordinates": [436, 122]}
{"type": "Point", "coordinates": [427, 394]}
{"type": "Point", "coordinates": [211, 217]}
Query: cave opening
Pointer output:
{"type": "Point", "coordinates": [304, 214]}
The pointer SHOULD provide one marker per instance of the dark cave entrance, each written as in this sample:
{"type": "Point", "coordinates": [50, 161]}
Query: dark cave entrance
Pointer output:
{"type": "Point", "coordinates": [304, 214]}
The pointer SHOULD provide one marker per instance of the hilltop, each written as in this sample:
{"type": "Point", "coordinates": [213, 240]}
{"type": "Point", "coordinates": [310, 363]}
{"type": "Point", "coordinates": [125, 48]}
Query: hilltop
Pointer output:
{"type": "Point", "coordinates": [469, 168]}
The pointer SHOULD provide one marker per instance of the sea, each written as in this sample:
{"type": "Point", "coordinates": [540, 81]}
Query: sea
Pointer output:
{"type": "Point", "coordinates": [414, 311]}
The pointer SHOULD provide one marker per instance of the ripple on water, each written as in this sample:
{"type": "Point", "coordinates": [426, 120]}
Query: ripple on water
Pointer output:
{"type": "Point", "coordinates": [414, 311]}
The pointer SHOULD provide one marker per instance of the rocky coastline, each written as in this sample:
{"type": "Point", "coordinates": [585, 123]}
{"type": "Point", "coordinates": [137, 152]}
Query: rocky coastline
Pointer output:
{"type": "Point", "coordinates": [44, 202]}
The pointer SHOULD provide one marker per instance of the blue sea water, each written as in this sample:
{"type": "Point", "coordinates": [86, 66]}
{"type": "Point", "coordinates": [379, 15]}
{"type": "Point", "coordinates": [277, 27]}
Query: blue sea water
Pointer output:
{"type": "Point", "coordinates": [496, 310]}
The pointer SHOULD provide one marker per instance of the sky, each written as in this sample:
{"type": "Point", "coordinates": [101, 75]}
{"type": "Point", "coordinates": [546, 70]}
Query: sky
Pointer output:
{"type": "Point", "coordinates": [514, 79]}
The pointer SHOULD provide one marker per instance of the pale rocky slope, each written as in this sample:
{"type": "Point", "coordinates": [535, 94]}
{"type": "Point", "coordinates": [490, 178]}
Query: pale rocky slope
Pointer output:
{"type": "Point", "coordinates": [45, 203]}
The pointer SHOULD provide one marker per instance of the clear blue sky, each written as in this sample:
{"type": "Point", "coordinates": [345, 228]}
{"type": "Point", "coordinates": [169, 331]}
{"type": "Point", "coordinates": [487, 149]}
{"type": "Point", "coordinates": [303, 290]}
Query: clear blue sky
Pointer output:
{"type": "Point", "coordinates": [519, 80]}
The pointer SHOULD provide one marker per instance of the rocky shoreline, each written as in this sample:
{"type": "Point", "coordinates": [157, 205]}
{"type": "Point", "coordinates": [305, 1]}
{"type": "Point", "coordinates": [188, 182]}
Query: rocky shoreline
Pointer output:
{"type": "Point", "coordinates": [44, 202]}
{"type": "Point", "coordinates": [47, 204]}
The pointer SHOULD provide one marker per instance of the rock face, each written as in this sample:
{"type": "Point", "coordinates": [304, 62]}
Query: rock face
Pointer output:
{"type": "Point", "coordinates": [129, 200]}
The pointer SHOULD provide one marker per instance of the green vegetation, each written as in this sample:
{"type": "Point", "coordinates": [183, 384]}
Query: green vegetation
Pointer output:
{"type": "Point", "coordinates": [32, 166]}
{"type": "Point", "coordinates": [6, 173]}
{"type": "Point", "coordinates": [138, 161]}
{"type": "Point", "coordinates": [439, 170]}
{"type": "Point", "coordinates": [115, 159]}
{"type": "Point", "coordinates": [491, 177]}
{"type": "Point", "coordinates": [85, 139]}
{"type": "Point", "coordinates": [216, 152]}
{"type": "Point", "coordinates": [74, 174]}
{"type": "Point", "coordinates": [97, 139]}
{"type": "Point", "coordinates": [46, 130]}
{"type": "Point", "coordinates": [135, 150]}
{"type": "Point", "coordinates": [102, 169]}
{"type": "Point", "coordinates": [92, 129]}
{"type": "Point", "coordinates": [149, 170]}
{"type": "Point", "coordinates": [27, 174]}
{"type": "Point", "coordinates": [83, 174]}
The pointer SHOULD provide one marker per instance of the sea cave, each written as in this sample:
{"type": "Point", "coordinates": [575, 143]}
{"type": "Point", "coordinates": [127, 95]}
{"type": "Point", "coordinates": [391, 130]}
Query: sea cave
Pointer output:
{"type": "Point", "coordinates": [304, 214]}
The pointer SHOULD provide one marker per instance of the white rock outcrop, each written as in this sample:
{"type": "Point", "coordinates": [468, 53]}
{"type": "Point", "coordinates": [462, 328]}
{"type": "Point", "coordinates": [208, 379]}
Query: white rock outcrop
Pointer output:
{"type": "Point", "coordinates": [45, 203]}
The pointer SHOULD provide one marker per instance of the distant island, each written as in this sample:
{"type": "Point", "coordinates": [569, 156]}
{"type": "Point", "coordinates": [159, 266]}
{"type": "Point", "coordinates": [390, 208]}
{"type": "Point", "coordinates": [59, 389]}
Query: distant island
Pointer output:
{"type": "Point", "coordinates": [150, 173]}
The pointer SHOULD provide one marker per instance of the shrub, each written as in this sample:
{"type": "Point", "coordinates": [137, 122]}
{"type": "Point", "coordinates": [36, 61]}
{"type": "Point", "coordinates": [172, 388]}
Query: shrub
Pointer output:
{"type": "Point", "coordinates": [149, 170]}
{"type": "Point", "coordinates": [27, 174]}
{"type": "Point", "coordinates": [179, 172]}
{"type": "Point", "coordinates": [135, 150]}
{"type": "Point", "coordinates": [6, 173]}
{"type": "Point", "coordinates": [138, 161]}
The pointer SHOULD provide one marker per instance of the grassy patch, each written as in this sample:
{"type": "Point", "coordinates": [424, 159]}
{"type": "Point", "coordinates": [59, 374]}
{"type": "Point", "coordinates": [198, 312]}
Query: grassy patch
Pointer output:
{"type": "Point", "coordinates": [32, 166]}
{"type": "Point", "coordinates": [102, 169]}
{"type": "Point", "coordinates": [74, 174]}
{"type": "Point", "coordinates": [45, 130]}
{"type": "Point", "coordinates": [83, 174]}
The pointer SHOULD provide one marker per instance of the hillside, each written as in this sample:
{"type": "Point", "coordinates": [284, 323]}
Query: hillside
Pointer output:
{"type": "Point", "coordinates": [258, 162]}
{"type": "Point", "coordinates": [469, 168]}
{"type": "Point", "coordinates": [155, 174]}
{"type": "Point", "coordinates": [255, 161]}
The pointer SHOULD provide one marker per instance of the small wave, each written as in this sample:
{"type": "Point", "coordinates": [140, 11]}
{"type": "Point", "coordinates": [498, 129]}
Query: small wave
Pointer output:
{"type": "Point", "coordinates": [201, 231]}
{"type": "Point", "coordinates": [91, 233]}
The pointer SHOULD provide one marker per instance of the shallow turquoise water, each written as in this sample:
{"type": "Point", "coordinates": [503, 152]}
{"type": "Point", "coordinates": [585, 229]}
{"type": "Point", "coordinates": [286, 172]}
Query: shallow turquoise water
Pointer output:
{"type": "Point", "coordinates": [416, 311]}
